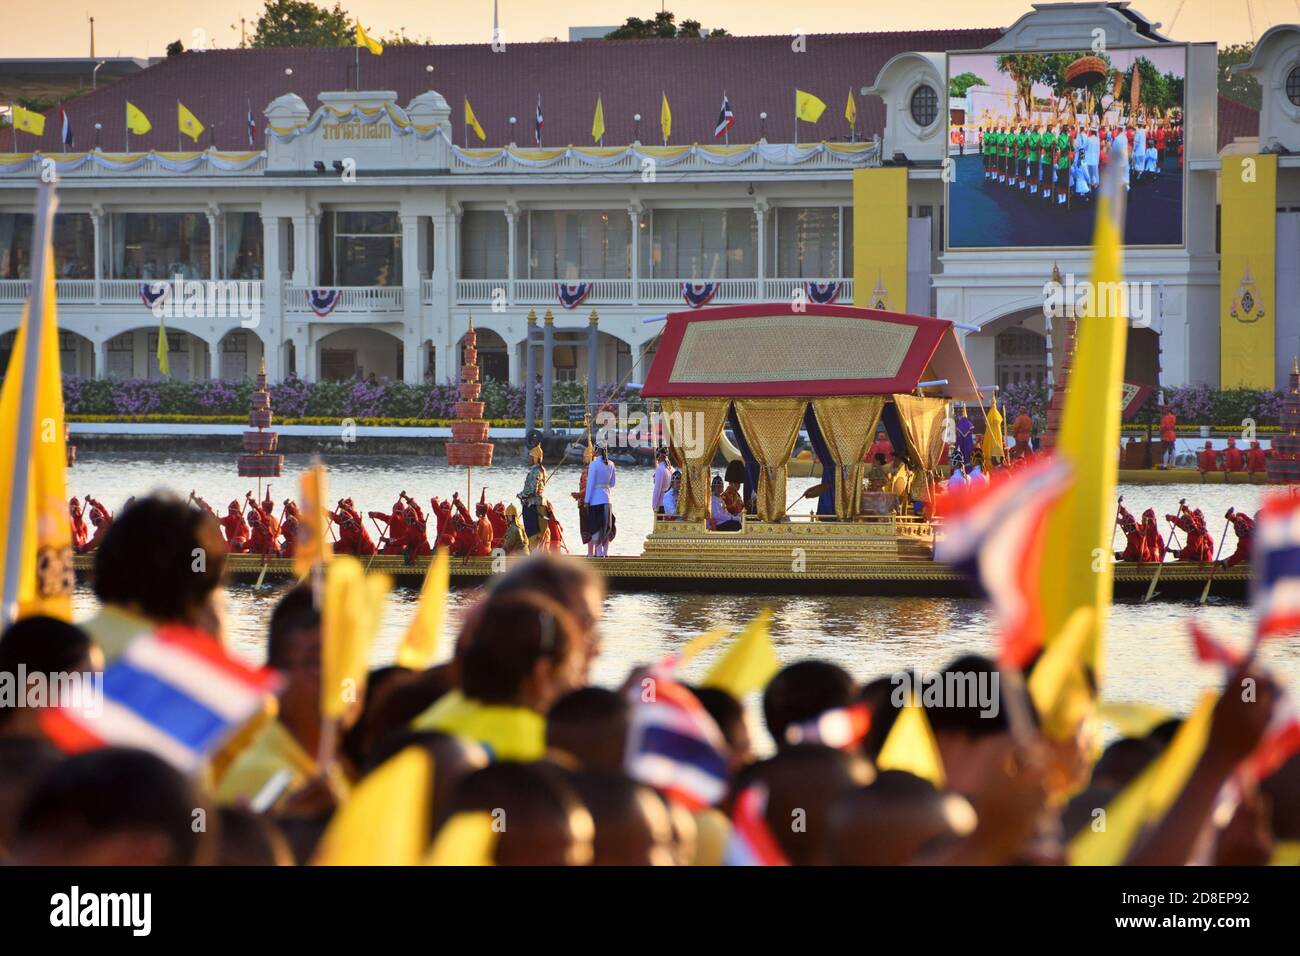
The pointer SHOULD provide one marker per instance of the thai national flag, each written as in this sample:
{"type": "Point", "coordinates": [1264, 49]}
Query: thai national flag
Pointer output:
{"type": "Point", "coordinates": [173, 692]}
{"type": "Point", "coordinates": [994, 535]}
{"type": "Point", "coordinates": [841, 728]}
{"type": "Point", "coordinates": [1275, 592]}
{"type": "Point", "coordinates": [252, 126]}
{"type": "Point", "coordinates": [674, 745]}
{"type": "Point", "coordinates": [537, 129]}
{"type": "Point", "coordinates": [67, 128]}
{"type": "Point", "coordinates": [752, 842]}
{"type": "Point", "coordinates": [726, 119]}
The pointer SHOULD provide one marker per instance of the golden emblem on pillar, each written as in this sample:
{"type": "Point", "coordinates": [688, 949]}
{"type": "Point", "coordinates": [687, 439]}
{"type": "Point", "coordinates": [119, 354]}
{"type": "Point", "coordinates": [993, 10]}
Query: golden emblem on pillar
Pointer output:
{"type": "Point", "coordinates": [1246, 306]}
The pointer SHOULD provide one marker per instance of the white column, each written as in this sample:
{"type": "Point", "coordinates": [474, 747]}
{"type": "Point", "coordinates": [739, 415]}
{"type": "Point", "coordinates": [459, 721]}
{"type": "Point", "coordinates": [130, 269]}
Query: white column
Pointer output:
{"type": "Point", "coordinates": [411, 298]}
{"type": "Point", "coordinates": [634, 215]}
{"type": "Point", "coordinates": [760, 214]}
{"type": "Point", "coordinates": [97, 226]}
{"type": "Point", "coordinates": [512, 215]}
{"type": "Point", "coordinates": [271, 321]}
{"type": "Point", "coordinates": [300, 271]}
{"type": "Point", "coordinates": [101, 359]}
{"type": "Point", "coordinates": [214, 246]}
{"type": "Point", "coordinates": [312, 241]}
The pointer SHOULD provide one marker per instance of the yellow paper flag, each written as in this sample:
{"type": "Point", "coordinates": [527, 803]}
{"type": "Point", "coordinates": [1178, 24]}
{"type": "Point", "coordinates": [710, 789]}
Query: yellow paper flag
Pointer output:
{"type": "Point", "coordinates": [598, 122]}
{"type": "Point", "coordinates": [808, 107]}
{"type": "Point", "coordinates": [189, 123]}
{"type": "Point", "coordinates": [1149, 797]}
{"type": "Point", "coordinates": [1058, 685]}
{"type": "Point", "coordinates": [701, 642]}
{"type": "Point", "coordinates": [851, 109]}
{"type": "Point", "coordinates": [472, 121]}
{"type": "Point", "coordinates": [366, 40]}
{"type": "Point", "coordinates": [419, 645]}
{"type": "Point", "coordinates": [313, 546]}
{"type": "Point", "coordinates": [750, 663]}
{"type": "Point", "coordinates": [349, 619]}
{"type": "Point", "coordinates": [28, 121]}
{"type": "Point", "coordinates": [1081, 522]}
{"type": "Point", "coordinates": [994, 445]}
{"type": "Point", "coordinates": [136, 121]}
{"type": "Point", "coordinates": [467, 839]}
{"type": "Point", "coordinates": [385, 822]}
{"type": "Point", "coordinates": [1132, 718]}
{"type": "Point", "coordinates": [164, 350]}
{"type": "Point", "coordinates": [35, 535]}
{"type": "Point", "coordinates": [911, 746]}
{"type": "Point", "coordinates": [666, 119]}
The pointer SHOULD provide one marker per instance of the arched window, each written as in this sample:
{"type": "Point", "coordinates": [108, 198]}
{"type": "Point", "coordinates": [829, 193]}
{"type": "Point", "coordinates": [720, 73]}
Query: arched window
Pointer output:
{"type": "Point", "coordinates": [924, 105]}
{"type": "Point", "coordinates": [1293, 86]}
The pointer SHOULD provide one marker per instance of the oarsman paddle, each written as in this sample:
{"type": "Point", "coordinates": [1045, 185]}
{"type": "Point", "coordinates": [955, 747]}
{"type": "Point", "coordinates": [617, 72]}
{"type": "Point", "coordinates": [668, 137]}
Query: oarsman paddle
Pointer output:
{"type": "Point", "coordinates": [1210, 580]}
{"type": "Point", "coordinates": [1118, 505]}
{"type": "Point", "coordinates": [1155, 578]}
{"type": "Point", "coordinates": [816, 491]}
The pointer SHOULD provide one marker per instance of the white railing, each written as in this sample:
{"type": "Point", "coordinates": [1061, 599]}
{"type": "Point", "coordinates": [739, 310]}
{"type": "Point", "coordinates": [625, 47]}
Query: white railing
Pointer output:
{"type": "Point", "coordinates": [544, 292]}
{"type": "Point", "coordinates": [729, 291]}
{"type": "Point", "coordinates": [695, 161]}
{"type": "Point", "coordinates": [478, 291]}
{"type": "Point", "coordinates": [649, 291]}
{"type": "Point", "coordinates": [18, 291]}
{"type": "Point", "coordinates": [353, 300]}
{"type": "Point", "coordinates": [783, 290]}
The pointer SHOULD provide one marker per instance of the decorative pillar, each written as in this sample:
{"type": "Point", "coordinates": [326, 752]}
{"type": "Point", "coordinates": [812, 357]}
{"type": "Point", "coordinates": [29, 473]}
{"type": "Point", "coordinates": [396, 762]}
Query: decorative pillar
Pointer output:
{"type": "Point", "coordinates": [101, 359]}
{"type": "Point", "coordinates": [412, 299]}
{"type": "Point", "coordinates": [300, 273]}
{"type": "Point", "coordinates": [271, 320]}
{"type": "Point", "coordinates": [634, 215]}
{"type": "Point", "coordinates": [97, 225]}
{"type": "Point", "coordinates": [548, 370]}
{"type": "Point", "coordinates": [312, 241]}
{"type": "Point", "coordinates": [530, 374]}
{"type": "Point", "coordinates": [760, 214]}
{"type": "Point", "coordinates": [512, 217]}
{"type": "Point", "coordinates": [214, 248]}
{"type": "Point", "coordinates": [593, 367]}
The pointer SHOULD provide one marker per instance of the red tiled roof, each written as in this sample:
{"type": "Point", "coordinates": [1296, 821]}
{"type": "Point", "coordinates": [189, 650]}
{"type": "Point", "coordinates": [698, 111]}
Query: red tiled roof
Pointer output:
{"type": "Point", "coordinates": [758, 74]}
{"type": "Point", "coordinates": [1236, 119]}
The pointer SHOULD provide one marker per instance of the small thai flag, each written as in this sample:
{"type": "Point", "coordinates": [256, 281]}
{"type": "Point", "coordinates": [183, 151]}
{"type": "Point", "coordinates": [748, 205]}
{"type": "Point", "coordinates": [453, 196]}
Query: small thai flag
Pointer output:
{"type": "Point", "coordinates": [67, 128]}
{"type": "Point", "coordinates": [841, 728]}
{"type": "Point", "coordinates": [726, 119]}
{"type": "Point", "coordinates": [173, 692]}
{"type": "Point", "coordinates": [537, 128]}
{"type": "Point", "coordinates": [994, 535]}
{"type": "Point", "coordinates": [1275, 592]}
{"type": "Point", "coordinates": [252, 126]}
{"type": "Point", "coordinates": [674, 745]}
{"type": "Point", "coordinates": [752, 842]}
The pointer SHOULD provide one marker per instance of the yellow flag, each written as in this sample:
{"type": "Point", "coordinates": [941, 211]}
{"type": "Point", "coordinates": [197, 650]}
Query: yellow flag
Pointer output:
{"type": "Point", "coordinates": [666, 120]}
{"type": "Point", "coordinates": [35, 534]}
{"type": "Point", "coordinates": [807, 107]}
{"type": "Point", "coordinates": [750, 663]}
{"type": "Point", "coordinates": [189, 123]}
{"type": "Point", "coordinates": [1149, 797]}
{"type": "Point", "coordinates": [851, 109]}
{"type": "Point", "coordinates": [385, 822]}
{"type": "Point", "coordinates": [164, 349]}
{"type": "Point", "coordinates": [1058, 686]}
{"type": "Point", "coordinates": [366, 40]}
{"type": "Point", "coordinates": [701, 642]}
{"type": "Point", "coordinates": [28, 121]}
{"type": "Point", "coordinates": [136, 121]}
{"type": "Point", "coordinates": [598, 122]}
{"type": "Point", "coordinates": [994, 445]}
{"type": "Point", "coordinates": [1132, 718]}
{"type": "Point", "coordinates": [420, 643]}
{"type": "Point", "coordinates": [467, 839]}
{"type": "Point", "coordinates": [472, 121]}
{"type": "Point", "coordinates": [911, 746]}
{"type": "Point", "coordinates": [353, 604]}
{"type": "Point", "coordinates": [313, 546]}
{"type": "Point", "coordinates": [1081, 522]}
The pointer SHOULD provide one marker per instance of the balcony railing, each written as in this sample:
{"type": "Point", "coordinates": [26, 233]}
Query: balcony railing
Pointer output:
{"type": "Point", "coordinates": [351, 300]}
{"type": "Point", "coordinates": [84, 291]}
{"type": "Point", "coordinates": [643, 292]}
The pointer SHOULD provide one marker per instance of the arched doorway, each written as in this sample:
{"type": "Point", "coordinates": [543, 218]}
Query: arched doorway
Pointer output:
{"type": "Point", "coordinates": [493, 355]}
{"type": "Point", "coordinates": [240, 355]}
{"type": "Point", "coordinates": [360, 353]}
{"type": "Point", "coordinates": [134, 354]}
{"type": "Point", "coordinates": [76, 353]}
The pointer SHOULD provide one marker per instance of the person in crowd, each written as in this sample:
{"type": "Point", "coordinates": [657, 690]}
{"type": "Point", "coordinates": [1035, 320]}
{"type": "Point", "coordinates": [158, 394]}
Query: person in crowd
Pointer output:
{"type": "Point", "coordinates": [102, 519]}
{"type": "Point", "coordinates": [394, 527]}
{"type": "Point", "coordinates": [721, 517]}
{"type": "Point", "coordinates": [1022, 430]}
{"type": "Point", "coordinates": [876, 475]}
{"type": "Point", "coordinates": [235, 528]}
{"type": "Point", "coordinates": [1207, 460]}
{"type": "Point", "coordinates": [532, 497]}
{"type": "Point", "coordinates": [1255, 461]}
{"type": "Point", "coordinates": [1233, 459]}
{"type": "Point", "coordinates": [57, 654]}
{"type": "Point", "coordinates": [804, 690]}
{"type": "Point", "coordinates": [1153, 542]}
{"type": "Point", "coordinates": [577, 588]}
{"type": "Point", "coordinates": [24, 761]}
{"type": "Point", "coordinates": [289, 528]}
{"type": "Point", "coordinates": [894, 820]}
{"type": "Point", "coordinates": [965, 434]}
{"type": "Point", "coordinates": [587, 727]}
{"type": "Point", "coordinates": [162, 562]}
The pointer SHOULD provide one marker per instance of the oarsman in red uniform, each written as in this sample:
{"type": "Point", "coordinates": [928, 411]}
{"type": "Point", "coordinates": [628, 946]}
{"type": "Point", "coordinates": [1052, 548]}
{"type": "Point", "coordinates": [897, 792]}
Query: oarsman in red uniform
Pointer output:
{"type": "Point", "coordinates": [394, 529]}
{"type": "Point", "coordinates": [483, 535]}
{"type": "Point", "coordinates": [235, 528]}
{"type": "Point", "coordinates": [289, 528]}
{"type": "Point", "coordinates": [79, 532]}
{"type": "Point", "coordinates": [1255, 460]}
{"type": "Point", "coordinates": [1233, 459]}
{"type": "Point", "coordinates": [102, 519]}
{"type": "Point", "coordinates": [1153, 542]}
{"type": "Point", "coordinates": [353, 538]}
{"type": "Point", "coordinates": [464, 538]}
{"type": "Point", "coordinates": [416, 539]}
{"type": "Point", "coordinates": [272, 522]}
{"type": "Point", "coordinates": [495, 519]}
{"type": "Point", "coordinates": [556, 540]}
{"type": "Point", "coordinates": [1244, 525]}
{"type": "Point", "coordinates": [203, 505]}
{"type": "Point", "coordinates": [444, 538]}
{"type": "Point", "coordinates": [259, 539]}
{"type": "Point", "coordinates": [1134, 550]}
{"type": "Point", "coordinates": [1199, 546]}
{"type": "Point", "coordinates": [1207, 460]}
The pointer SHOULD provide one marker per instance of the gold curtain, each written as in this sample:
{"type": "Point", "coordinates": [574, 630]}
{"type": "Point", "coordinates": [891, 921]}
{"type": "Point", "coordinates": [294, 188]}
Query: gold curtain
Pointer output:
{"type": "Point", "coordinates": [694, 426]}
{"type": "Point", "coordinates": [923, 423]}
{"type": "Point", "coordinates": [771, 427]}
{"type": "Point", "coordinates": [848, 426]}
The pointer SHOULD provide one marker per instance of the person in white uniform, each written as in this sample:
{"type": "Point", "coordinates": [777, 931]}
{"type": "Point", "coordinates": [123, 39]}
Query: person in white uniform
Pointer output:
{"type": "Point", "coordinates": [601, 478]}
{"type": "Point", "coordinates": [663, 476]}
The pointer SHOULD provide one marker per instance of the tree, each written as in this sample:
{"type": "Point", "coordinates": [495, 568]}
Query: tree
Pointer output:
{"type": "Point", "coordinates": [1235, 85]}
{"type": "Point", "coordinates": [175, 48]}
{"type": "Point", "coordinates": [959, 84]}
{"type": "Point", "coordinates": [300, 23]}
{"type": "Point", "coordinates": [662, 26]}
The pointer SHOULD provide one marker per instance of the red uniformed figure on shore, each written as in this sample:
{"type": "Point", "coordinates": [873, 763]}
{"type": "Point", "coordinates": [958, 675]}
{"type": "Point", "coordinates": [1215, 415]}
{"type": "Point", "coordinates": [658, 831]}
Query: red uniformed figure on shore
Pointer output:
{"type": "Point", "coordinates": [79, 532]}
{"type": "Point", "coordinates": [235, 528]}
{"type": "Point", "coordinates": [1207, 459]}
{"type": "Point", "coordinates": [1233, 459]}
{"type": "Point", "coordinates": [1244, 526]}
{"type": "Point", "coordinates": [1153, 542]}
{"type": "Point", "coordinates": [1255, 460]}
{"type": "Point", "coordinates": [289, 528]}
{"type": "Point", "coordinates": [1199, 545]}
{"type": "Point", "coordinates": [1133, 550]}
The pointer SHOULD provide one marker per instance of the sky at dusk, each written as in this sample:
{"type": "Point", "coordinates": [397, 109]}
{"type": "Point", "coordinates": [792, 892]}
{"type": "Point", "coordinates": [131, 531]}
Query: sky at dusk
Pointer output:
{"type": "Point", "coordinates": [136, 28]}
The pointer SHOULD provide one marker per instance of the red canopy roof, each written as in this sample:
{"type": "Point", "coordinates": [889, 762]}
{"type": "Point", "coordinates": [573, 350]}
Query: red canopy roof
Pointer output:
{"type": "Point", "coordinates": [770, 350]}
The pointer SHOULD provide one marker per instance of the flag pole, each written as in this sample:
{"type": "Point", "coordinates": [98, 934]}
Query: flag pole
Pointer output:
{"type": "Point", "coordinates": [796, 117]}
{"type": "Point", "coordinates": [28, 363]}
{"type": "Point", "coordinates": [726, 133]}
{"type": "Point", "coordinates": [178, 125]}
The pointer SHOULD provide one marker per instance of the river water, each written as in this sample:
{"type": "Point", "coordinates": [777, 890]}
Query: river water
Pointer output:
{"type": "Point", "coordinates": [1148, 655]}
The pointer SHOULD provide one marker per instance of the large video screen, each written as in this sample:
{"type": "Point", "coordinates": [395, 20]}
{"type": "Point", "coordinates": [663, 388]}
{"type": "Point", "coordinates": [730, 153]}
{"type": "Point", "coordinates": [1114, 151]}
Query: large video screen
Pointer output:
{"type": "Point", "coordinates": [1031, 133]}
